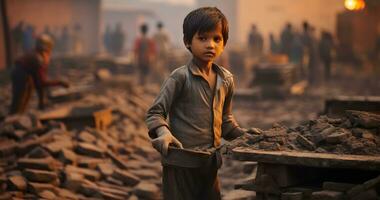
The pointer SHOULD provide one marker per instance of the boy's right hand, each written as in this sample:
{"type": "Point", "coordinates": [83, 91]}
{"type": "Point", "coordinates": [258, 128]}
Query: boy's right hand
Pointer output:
{"type": "Point", "coordinates": [164, 139]}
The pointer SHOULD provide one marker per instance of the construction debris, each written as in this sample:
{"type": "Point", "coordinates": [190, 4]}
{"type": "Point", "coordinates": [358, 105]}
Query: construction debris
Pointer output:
{"type": "Point", "coordinates": [357, 134]}
{"type": "Point", "coordinates": [45, 156]}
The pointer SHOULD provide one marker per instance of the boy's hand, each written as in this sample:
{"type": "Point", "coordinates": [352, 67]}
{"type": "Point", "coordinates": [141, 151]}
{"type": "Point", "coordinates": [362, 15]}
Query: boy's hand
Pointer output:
{"type": "Point", "coordinates": [164, 139]}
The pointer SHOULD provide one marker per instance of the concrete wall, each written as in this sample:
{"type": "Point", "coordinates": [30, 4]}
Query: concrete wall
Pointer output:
{"type": "Point", "coordinates": [57, 14]}
{"type": "Point", "coordinates": [271, 15]}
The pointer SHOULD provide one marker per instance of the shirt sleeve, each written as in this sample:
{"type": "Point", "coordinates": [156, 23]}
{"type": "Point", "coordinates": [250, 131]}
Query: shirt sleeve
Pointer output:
{"type": "Point", "coordinates": [230, 128]}
{"type": "Point", "coordinates": [159, 111]}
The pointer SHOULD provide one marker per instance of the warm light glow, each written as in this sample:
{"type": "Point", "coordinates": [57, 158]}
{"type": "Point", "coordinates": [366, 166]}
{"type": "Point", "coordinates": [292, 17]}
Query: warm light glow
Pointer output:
{"type": "Point", "coordinates": [354, 4]}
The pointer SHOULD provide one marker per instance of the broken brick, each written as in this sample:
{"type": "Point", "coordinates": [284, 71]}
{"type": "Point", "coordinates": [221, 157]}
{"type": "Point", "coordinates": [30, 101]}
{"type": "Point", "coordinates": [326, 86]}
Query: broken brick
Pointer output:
{"type": "Point", "coordinates": [146, 190]}
{"type": "Point", "coordinates": [126, 177]}
{"type": "Point", "coordinates": [89, 150]}
{"type": "Point", "coordinates": [40, 176]}
{"type": "Point", "coordinates": [17, 183]}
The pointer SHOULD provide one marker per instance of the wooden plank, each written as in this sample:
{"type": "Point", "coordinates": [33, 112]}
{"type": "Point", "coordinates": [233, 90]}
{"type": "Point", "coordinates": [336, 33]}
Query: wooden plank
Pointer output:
{"type": "Point", "coordinates": [323, 160]}
{"type": "Point", "coordinates": [186, 157]}
{"type": "Point", "coordinates": [336, 106]}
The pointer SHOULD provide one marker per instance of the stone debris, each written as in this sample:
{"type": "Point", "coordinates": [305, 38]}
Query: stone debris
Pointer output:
{"type": "Point", "coordinates": [48, 161]}
{"type": "Point", "coordinates": [358, 134]}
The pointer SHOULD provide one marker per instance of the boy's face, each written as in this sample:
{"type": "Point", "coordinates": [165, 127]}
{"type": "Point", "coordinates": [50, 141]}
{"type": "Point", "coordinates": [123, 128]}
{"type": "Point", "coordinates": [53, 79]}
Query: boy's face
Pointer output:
{"type": "Point", "coordinates": [209, 45]}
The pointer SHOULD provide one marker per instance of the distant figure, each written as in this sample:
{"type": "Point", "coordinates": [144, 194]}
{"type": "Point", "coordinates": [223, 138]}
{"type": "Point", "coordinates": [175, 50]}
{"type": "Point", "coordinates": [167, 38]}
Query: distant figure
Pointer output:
{"type": "Point", "coordinates": [17, 39]}
{"type": "Point", "coordinates": [297, 54]}
{"type": "Point", "coordinates": [286, 39]}
{"type": "Point", "coordinates": [30, 72]}
{"type": "Point", "coordinates": [275, 47]}
{"type": "Point", "coordinates": [118, 39]}
{"type": "Point", "coordinates": [77, 40]}
{"type": "Point", "coordinates": [255, 41]}
{"type": "Point", "coordinates": [162, 41]}
{"type": "Point", "coordinates": [28, 38]}
{"type": "Point", "coordinates": [65, 40]}
{"type": "Point", "coordinates": [107, 38]}
{"type": "Point", "coordinates": [326, 46]}
{"type": "Point", "coordinates": [311, 46]}
{"type": "Point", "coordinates": [144, 50]}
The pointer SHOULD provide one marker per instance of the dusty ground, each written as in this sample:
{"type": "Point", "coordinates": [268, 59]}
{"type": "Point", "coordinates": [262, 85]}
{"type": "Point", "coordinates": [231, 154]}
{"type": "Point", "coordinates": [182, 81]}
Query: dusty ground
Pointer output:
{"type": "Point", "coordinates": [261, 113]}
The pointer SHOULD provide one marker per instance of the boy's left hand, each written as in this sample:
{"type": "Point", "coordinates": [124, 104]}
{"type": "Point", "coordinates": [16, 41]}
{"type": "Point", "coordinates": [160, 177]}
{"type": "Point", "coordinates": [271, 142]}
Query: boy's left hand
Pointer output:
{"type": "Point", "coordinates": [164, 139]}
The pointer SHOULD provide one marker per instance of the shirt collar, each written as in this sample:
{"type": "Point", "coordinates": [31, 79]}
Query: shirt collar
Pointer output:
{"type": "Point", "coordinates": [194, 69]}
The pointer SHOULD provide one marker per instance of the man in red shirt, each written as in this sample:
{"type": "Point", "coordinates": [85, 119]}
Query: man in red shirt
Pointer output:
{"type": "Point", "coordinates": [30, 72]}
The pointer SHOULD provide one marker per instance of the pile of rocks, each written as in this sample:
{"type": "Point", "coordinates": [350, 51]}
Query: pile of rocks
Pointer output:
{"type": "Point", "coordinates": [357, 133]}
{"type": "Point", "coordinates": [50, 162]}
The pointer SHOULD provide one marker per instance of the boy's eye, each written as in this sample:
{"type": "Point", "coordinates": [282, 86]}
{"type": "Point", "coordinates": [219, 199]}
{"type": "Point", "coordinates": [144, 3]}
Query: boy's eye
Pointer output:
{"type": "Point", "coordinates": [217, 39]}
{"type": "Point", "coordinates": [202, 38]}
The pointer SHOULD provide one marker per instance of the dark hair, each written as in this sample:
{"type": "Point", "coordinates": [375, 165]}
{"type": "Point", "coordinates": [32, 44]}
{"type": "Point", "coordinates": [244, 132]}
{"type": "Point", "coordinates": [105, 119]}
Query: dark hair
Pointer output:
{"type": "Point", "coordinates": [203, 20]}
{"type": "Point", "coordinates": [144, 28]}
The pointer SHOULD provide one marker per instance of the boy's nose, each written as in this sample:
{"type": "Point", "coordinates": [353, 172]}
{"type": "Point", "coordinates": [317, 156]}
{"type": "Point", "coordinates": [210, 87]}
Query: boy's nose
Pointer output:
{"type": "Point", "coordinates": [210, 44]}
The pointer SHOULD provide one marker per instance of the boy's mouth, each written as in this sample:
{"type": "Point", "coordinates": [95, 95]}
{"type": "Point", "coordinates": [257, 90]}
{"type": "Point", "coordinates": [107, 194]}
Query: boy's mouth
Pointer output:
{"type": "Point", "coordinates": [209, 54]}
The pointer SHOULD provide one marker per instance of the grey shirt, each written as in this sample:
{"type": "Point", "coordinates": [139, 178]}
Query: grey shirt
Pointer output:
{"type": "Point", "coordinates": [198, 118]}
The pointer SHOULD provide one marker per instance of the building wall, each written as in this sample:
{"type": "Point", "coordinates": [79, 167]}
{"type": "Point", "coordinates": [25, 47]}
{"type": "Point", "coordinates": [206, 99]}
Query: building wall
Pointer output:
{"type": "Point", "coordinates": [358, 31]}
{"type": "Point", "coordinates": [57, 14]}
{"type": "Point", "coordinates": [2, 46]}
{"type": "Point", "coordinates": [149, 12]}
{"type": "Point", "coordinates": [130, 21]}
{"type": "Point", "coordinates": [272, 15]}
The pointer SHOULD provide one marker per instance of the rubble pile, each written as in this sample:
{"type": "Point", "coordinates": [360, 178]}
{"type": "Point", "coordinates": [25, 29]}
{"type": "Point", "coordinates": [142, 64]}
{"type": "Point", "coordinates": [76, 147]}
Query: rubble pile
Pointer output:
{"type": "Point", "coordinates": [357, 133]}
{"type": "Point", "coordinates": [51, 162]}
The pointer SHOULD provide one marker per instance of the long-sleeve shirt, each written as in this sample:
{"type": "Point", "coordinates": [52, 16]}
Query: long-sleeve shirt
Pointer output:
{"type": "Point", "coordinates": [197, 116]}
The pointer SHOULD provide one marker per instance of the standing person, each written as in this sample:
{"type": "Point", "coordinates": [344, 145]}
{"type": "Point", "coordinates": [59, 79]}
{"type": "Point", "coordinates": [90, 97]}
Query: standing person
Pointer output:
{"type": "Point", "coordinates": [255, 41]}
{"type": "Point", "coordinates": [297, 54]}
{"type": "Point", "coordinates": [162, 41]}
{"type": "Point", "coordinates": [274, 45]}
{"type": "Point", "coordinates": [311, 46]}
{"type": "Point", "coordinates": [28, 39]}
{"type": "Point", "coordinates": [326, 46]}
{"type": "Point", "coordinates": [107, 39]}
{"type": "Point", "coordinates": [118, 38]}
{"type": "Point", "coordinates": [30, 72]}
{"type": "Point", "coordinates": [17, 39]}
{"type": "Point", "coordinates": [65, 41]}
{"type": "Point", "coordinates": [197, 99]}
{"type": "Point", "coordinates": [286, 39]}
{"type": "Point", "coordinates": [145, 51]}
{"type": "Point", "coordinates": [77, 40]}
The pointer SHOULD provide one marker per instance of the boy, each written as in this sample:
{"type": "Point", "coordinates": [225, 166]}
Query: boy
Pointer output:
{"type": "Point", "coordinates": [30, 72]}
{"type": "Point", "coordinates": [197, 97]}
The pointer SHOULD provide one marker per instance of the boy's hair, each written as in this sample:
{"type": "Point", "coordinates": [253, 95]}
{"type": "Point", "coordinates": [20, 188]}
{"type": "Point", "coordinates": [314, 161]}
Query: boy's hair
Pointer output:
{"type": "Point", "coordinates": [203, 20]}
